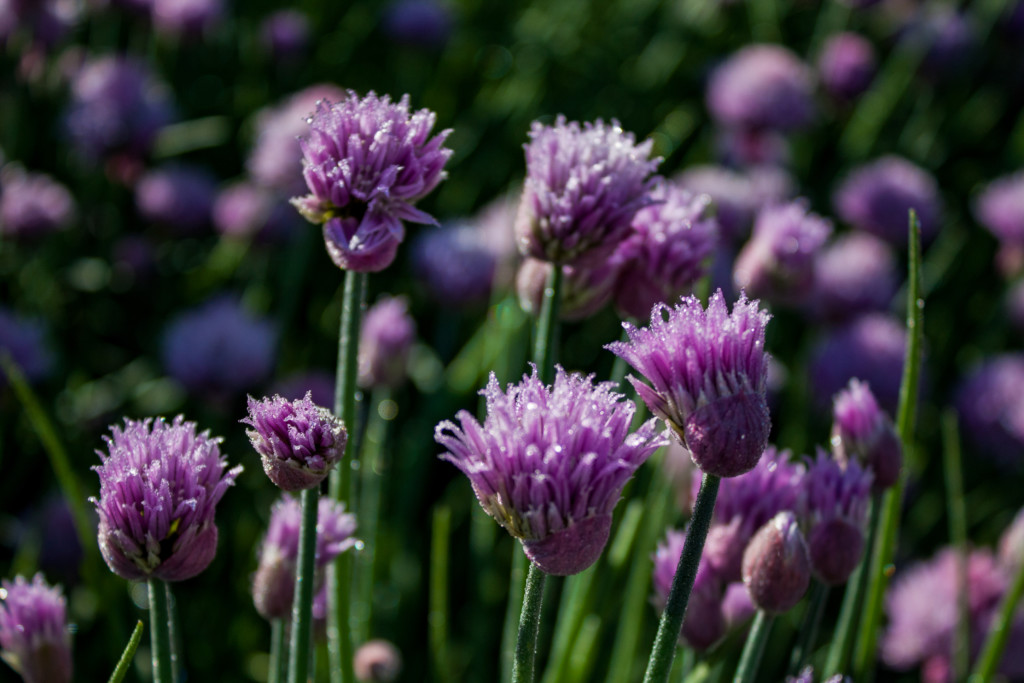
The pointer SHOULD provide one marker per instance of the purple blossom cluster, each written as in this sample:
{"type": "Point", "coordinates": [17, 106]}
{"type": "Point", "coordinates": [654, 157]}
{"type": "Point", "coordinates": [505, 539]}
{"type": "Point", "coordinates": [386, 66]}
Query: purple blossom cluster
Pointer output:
{"type": "Point", "coordinates": [991, 407]}
{"type": "Point", "coordinates": [878, 196]}
{"type": "Point", "coordinates": [33, 205]}
{"type": "Point", "coordinates": [385, 342]}
{"type": "Point", "coordinates": [34, 634]}
{"type": "Point", "coordinates": [177, 197]}
{"type": "Point", "coordinates": [846, 66]}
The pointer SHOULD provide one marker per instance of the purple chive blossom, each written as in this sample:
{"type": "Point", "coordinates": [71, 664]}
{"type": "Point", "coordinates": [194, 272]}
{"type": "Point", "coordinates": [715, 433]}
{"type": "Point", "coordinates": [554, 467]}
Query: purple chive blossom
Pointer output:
{"type": "Point", "coordinates": [704, 624]}
{"type": "Point", "coordinates": [807, 676]}
{"type": "Point", "coordinates": [667, 251]}
{"type": "Point", "coordinates": [585, 290]}
{"type": "Point", "coordinates": [776, 566]}
{"type": "Point", "coordinates": [736, 605]}
{"type": "Point", "coordinates": [298, 441]}
{"type": "Point", "coordinates": [835, 513]}
{"type": "Point", "coordinates": [377, 661]}
{"type": "Point", "coordinates": [862, 432]}
{"type": "Point", "coordinates": [385, 341]}
{"type": "Point", "coordinates": [846, 66]}
{"type": "Point", "coordinates": [947, 35]}
{"type": "Point", "coordinates": [245, 210]}
{"type": "Point", "coordinates": [25, 340]}
{"type": "Point", "coordinates": [159, 488]}
{"type": "Point", "coordinates": [745, 504]}
{"type": "Point", "coordinates": [420, 23]}
{"type": "Point", "coordinates": [273, 584]}
{"type": "Point", "coordinates": [549, 463]}
{"type": "Point", "coordinates": [188, 18]}
{"type": "Point", "coordinates": [737, 196]}
{"type": "Point", "coordinates": [583, 186]}
{"type": "Point", "coordinates": [1011, 545]}
{"type": "Point", "coordinates": [117, 107]}
{"type": "Point", "coordinates": [32, 204]}
{"type": "Point", "coordinates": [991, 407]}
{"type": "Point", "coordinates": [1000, 208]}
{"type": "Point", "coordinates": [854, 274]}
{"type": "Point", "coordinates": [762, 86]}
{"type": "Point", "coordinates": [751, 147]}
{"type": "Point", "coordinates": [455, 264]}
{"type": "Point", "coordinates": [877, 197]}
{"type": "Point", "coordinates": [366, 162]}
{"type": "Point", "coordinates": [285, 34]}
{"type": "Point", "coordinates": [870, 347]}
{"type": "Point", "coordinates": [44, 22]}
{"type": "Point", "coordinates": [179, 197]}
{"type": "Point", "coordinates": [708, 374]}
{"type": "Point", "coordinates": [275, 161]}
{"type": "Point", "coordinates": [777, 263]}
{"type": "Point", "coordinates": [34, 633]}
{"type": "Point", "coordinates": [219, 349]}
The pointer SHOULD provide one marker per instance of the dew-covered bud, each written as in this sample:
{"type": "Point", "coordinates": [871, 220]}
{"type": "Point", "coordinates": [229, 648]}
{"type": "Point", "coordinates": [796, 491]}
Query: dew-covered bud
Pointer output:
{"type": "Point", "coordinates": [776, 566]}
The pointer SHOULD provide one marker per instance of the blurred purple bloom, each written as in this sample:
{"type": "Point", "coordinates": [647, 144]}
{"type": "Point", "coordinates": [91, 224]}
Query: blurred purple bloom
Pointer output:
{"type": "Point", "coordinates": [549, 463]}
{"type": "Point", "coordinates": [666, 252]}
{"type": "Point", "coordinates": [704, 623]}
{"type": "Point", "coordinates": [736, 605]}
{"type": "Point", "coordinates": [807, 676]}
{"type": "Point", "coordinates": [455, 264]}
{"type": "Point", "coordinates": [737, 196]}
{"type": "Point", "coordinates": [762, 86]}
{"type": "Point", "coordinates": [422, 23]}
{"type": "Point", "coordinates": [846, 65]}
{"type": "Point", "coordinates": [159, 488]}
{"type": "Point", "coordinates": [877, 197]}
{"type": "Point", "coordinates": [32, 204]}
{"type": "Point", "coordinates": [991, 406]}
{"type": "Point", "coordinates": [298, 441]}
{"type": "Point", "coordinates": [285, 34]}
{"type": "Point", "coordinates": [583, 186]}
{"type": "Point", "coordinates": [319, 384]}
{"type": "Point", "coordinates": [585, 290]}
{"type": "Point", "coordinates": [1011, 545]}
{"type": "Point", "coordinates": [45, 22]}
{"type": "Point", "coordinates": [834, 514]}
{"type": "Point", "coordinates": [776, 565]}
{"type": "Point", "coordinates": [178, 196]}
{"type": "Point", "coordinates": [385, 341]}
{"type": "Point", "coordinates": [188, 18]}
{"type": "Point", "coordinates": [219, 349]}
{"type": "Point", "coordinates": [862, 433]}
{"type": "Point", "coordinates": [751, 147]}
{"type": "Point", "coordinates": [366, 162]}
{"type": "Point", "coordinates": [1000, 208]}
{"type": "Point", "coordinates": [117, 106]}
{"type": "Point", "coordinates": [377, 661]}
{"type": "Point", "coordinates": [854, 274]}
{"type": "Point", "coordinates": [34, 631]}
{"type": "Point", "coordinates": [947, 36]}
{"type": "Point", "coordinates": [246, 210]}
{"type": "Point", "coordinates": [777, 263]}
{"type": "Point", "coordinates": [870, 347]}
{"type": "Point", "coordinates": [273, 584]}
{"type": "Point", "coordinates": [26, 341]}
{"type": "Point", "coordinates": [708, 373]}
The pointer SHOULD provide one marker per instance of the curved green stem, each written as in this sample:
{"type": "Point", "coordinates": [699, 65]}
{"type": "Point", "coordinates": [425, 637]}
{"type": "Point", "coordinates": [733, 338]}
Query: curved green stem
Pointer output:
{"type": "Point", "coordinates": [809, 628]}
{"type": "Point", "coordinates": [121, 670]}
{"type": "Point", "coordinates": [529, 626]}
{"type": "Point", "coordinates": [516, 587]}
{"type": "Point", "coordinates": [753, 649]}
{"type": "Point", "coordinates": [159, 634]}
{"type": "Point", "coordinates": [995, 644]}
{"type": "Point", "coordinates": [278, 670]}
{"type": "Point", "coordinates": [659, 667]}
{"type": "Point", "coordinates": [544, 345]}
{"type": "Point", "coordinates": [302, 605]}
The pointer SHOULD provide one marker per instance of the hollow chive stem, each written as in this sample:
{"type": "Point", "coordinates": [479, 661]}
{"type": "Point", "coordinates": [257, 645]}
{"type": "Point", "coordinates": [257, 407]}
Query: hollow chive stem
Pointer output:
{"type": "Point", "coordinates": [753, 649]}
{"type": "Point", "coordinates": [995, 643]}
{"type": "Point", "coordinates": [159, 633]}
{"type": "Point", "coordinates": [278, 670]}
{"type": "Point", "coordinates": [659, 666]}
{"type": "Point", "coordinates": [809, 628]}
{"type": "Point", "coordinates": [529, 625]}
{"type": "Point", "coordinates": [545, 342]}
{"type": "Point", "coordinates": [302, 605]}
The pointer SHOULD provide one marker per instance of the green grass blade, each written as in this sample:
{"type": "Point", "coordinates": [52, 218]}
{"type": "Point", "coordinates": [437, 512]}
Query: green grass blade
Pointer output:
{"type": "Point", "coordinates": [126, 657]}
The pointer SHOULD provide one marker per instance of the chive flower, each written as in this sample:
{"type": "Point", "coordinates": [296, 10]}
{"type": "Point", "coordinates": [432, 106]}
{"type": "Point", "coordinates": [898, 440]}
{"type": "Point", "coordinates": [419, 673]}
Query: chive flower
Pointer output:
{"type": "Point", "coordinates": [835, 515]}
{"type": "Point", "coordinates": [704, 623]}
{"type": "Point", "coordinates": [854, 274]}
{"type": "Point", "coordinates": [32, 205]}
{"type": "Point", "coordinates": [776, 566]}
{"type": "Point", "coordinates": [549, 463]}
{"type": "Point", "coordinates": [377, 661]}
{"type": "Point", "coordinates": [862, 432]}
{"type": "Point", "coordinates": [878, 196]}
{"type": "Point", "coordinates": [34, 633]}
{"type": "Point", "coordinates": [846, 66]}
{"type": "Point", "coordinates": [386, 338]}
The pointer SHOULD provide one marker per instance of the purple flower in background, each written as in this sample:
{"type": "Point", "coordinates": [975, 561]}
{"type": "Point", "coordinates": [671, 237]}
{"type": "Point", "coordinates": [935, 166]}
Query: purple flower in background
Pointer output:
{"type": "Point", "coordinates": [667, 251]}
{"type": "Point", "coordinates": [854, 274]}
{"type": "Point", "coordinates": [736, 605]}
{"type": "Point", "coordinates": [870, 347]}
{"type": "Point", "coordinates": [189, 18]}
{"type": "Point", "coordinates": [318, 383]}
{"type": "Point", "coordinates": [366, 162]}
{"type": "Point", "coordinates": [585, 290]}
{"type": "Point", "coordinates": [285, 34]}
{"type": "Point", "coordinates": [991, 407]}
{"type": "Point", "coordinates": [778, 262]}
{"type": "Point", "coordinates": [179, 197]}
{"type": "Point", "coordinates": [583, 186]}
{"type": "Point", "coordinates": [117, 106]}
{"type": "Point", "coordinates": [385, 340]}
{"type": "Point", "coordinates": [737, 196]}
{"type": "Point", "coordinates": [455, 264]}
{"type": "Point", "coordinates": [422, 23]}
{"type": "Point", "coordinates": [708, 373]}
{"type": "Point", "coordinates": [835, 513]}
{"type": "Point", "coordinates": [549, 463]}
{"type": "Point", "coordinates": [807, 676]}
{"type": "Point", "coordinates": [377, 661]}
{"type": "Point", "coordinates": [34, 631]}
{"type": "Point", "coordinates": [776, 565]}
{"type": "Point", "coordinates": [45, 22]}
{"type": "Point", "coordinates": [704, 624]}
{"type": "Point", "coordinates": [298, 441]}
{"type": "Point", "coordinates": [245, 210]}
{"type": "Point", "coordinates": [219, 349]}
{"type": "Point", "coordinates": [751, 147]}
{"type": "Point", "coordinates": [32, 204]}
{"type": "Point", "coordinates": [762, 86]}
{"type": "Point", "coordinates": [947, 36]}
{"type": "Point", "coordinates": [877, 197]}
{"type": "Point", "coordinates": [862, 433]}
{"type": "Point", "coordinates": [1014, 304]}
{"type": "Point", "coordinates": [273, 584]}
{"type": "Point", "coordinates": [26, 341]}
{"type": "Point", "coordinates": [846, 66]}
{"type": "Point", "coordinates": [159, 488]}
{"type": "Point", "coordinates": [1011, 545]}
{"type": "Point", "coordinates": [275, 160]}
{"type": "Point", "coordinates": [1000, 208]}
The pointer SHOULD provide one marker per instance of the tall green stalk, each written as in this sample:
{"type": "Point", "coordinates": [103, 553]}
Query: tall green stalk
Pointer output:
{"type": "Point", "coordinates": [753, 649]}
{"type": "Point", "coordinates": [159, 634]}
{"type": "Point", "coordinates": [659, 667]}
{"type": "Point", "coordinates": [440, 540]}
{"type": "Point", "coordinates": [529, 625]}
{"type": "Point", "coordinates": [957, 513]}
{"type": "Point", "coordinates": [302, 605]}
{"type": "Point", "coordinates": [995, 644]}
{"type": "Point", "coordinates": [808, 633]}
{"type": "Point", "coordinates": [278, 669]}
{"type": "Point", "coordinates": [121, 670]}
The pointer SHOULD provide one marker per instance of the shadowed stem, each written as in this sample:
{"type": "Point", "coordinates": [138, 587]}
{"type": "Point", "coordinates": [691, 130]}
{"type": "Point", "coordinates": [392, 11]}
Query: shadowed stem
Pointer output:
{"type": "Point", "coordinates": [278, 670]}
{"type": "Point", "coordinates": [529, 625]}
{"type": "Point", "coordinates": [809, 627]}
{"type": "Point", "coordinates": [302, 606]}
{"type": "Point", "coordinates": [545, 342]}
{"type": "Point", "coordinates": [121, 670]}
{"type": "Point", "coordinates": [339, 573]}
{"type": "Point", "coordinates": [159, 634]}
{"type": "Point", "coordinates": [516, 587]}
{"type": "Point", "coordinates": [440, 539]}
{"type": "Point", "coordinates": [957, 514]}
{"type": "Point", "coordinates": [995, 644]}
{"type": "Point", "coordinates": [754, 648]}
{"type": "Point", "coordinates": [173, 634]}
{"type": "Point", "coordinates": [660, 664]}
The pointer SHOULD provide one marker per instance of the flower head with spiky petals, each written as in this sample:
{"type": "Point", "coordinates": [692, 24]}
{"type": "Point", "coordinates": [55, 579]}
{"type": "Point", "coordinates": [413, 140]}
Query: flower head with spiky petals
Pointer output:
{"type": "Point", "coordinates": [861, 431]}
{"type": "Point", "coordinates": [583, 186]}
{"type": "Point", "coordinates": [367, 161]}
{"type": "Point", "coordinates": [159, 488]}
{"type": "Point", "coordinates": [708, 374]}
{"type": "Point", "coordinates": [34, 631]}
{"type": "Point", "coordinates": [835, 512]}
{"type": "Point", "coordinates": [549, 463]}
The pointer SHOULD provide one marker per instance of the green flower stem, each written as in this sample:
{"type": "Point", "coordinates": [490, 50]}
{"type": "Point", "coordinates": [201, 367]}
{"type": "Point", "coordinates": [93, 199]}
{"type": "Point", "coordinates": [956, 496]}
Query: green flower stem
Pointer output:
{"type": "Point", "coordinates": [339, 573]}
{"type": "Point", "coordinates": [121, 670]}
{"type": "Point", "coordinates": [574, 605]}
{"type": "Point", "coordinates": [753, 649]}
{"type": "Point", "coordinates": [660, 664]}
{"type": "Point", "coordinates": [516, 589]}
{"type": "Point", "coordinates": [302, 605]}
{"type": "Point", "coordinates": [878, 578]}
{"type": "Point", "coordinates": [440, 541]}
{"type": "Point", "coordinates": [159, 634]}
{"type": "Point", "coordinates": [173, 634]}
{"type": "Point", "coordinates": [545, 343]}
{"type": "Point", "coordinates": [529, 626]}
{"type": "Point", "coordinates": [278, 670]}
{"type": "Point", "coordinates": [995, 643]}
{"type": "Point", "coordinates": [808, 633]}
{"type": "Point", "coordinates": [957, 513]}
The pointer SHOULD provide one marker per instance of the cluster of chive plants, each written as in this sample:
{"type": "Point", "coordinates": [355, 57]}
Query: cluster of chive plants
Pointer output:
{"type": "Point", "coordinates": [716, 309]}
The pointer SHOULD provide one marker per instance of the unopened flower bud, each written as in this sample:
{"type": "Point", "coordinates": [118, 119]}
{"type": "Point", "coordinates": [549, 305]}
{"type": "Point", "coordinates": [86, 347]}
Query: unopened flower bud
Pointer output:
{"type": "Point", "coordinates": [861, 431]}
{"type": "Point", "coordinates": [776, 566]}
{"type": "Point", "coordinates": [377, 661]}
